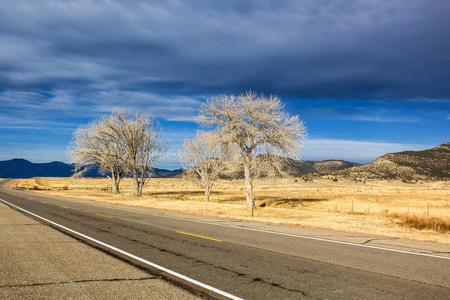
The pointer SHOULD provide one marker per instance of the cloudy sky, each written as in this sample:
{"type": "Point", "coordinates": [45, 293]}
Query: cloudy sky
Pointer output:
{"type": "Point", "coordinates": [367, 77]}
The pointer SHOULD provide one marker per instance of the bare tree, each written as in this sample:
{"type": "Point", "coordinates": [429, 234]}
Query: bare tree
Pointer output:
{"type": "Point", "coordinates": [257, 127]}
{"type": "Point", "coordinates": [139, 136]}
{"type": "Point", "coordinates": [203, 157]}
{"type": "Point", "coordinates": [95, 146]}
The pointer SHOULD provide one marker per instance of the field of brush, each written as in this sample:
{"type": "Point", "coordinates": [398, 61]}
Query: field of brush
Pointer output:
{"type": "Point", "coordinates": [416, 210]}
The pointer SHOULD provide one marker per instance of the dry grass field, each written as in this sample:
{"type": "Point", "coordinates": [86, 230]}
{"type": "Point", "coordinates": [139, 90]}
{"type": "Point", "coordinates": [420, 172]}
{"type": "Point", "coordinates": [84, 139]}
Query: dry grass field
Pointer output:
{"type": "Point", "coordinates": [419, 210]}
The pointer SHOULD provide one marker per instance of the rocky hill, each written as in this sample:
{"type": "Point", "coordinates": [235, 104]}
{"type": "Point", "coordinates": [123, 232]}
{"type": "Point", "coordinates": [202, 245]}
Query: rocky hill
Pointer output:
{"type": "Point", "coordinates": [427, 164]}
{"type": "Point", "coordinates": [297, 168]}
{"type": "Point", "coordinates": [300, 168]}
{"type": "Point", "coordinates": [329, 166]}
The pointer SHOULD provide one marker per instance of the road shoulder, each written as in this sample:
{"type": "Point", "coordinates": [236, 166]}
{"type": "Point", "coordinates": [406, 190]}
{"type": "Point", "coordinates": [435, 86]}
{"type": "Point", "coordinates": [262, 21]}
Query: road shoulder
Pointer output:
{"type": "Point", "coordinates": [40, 262]}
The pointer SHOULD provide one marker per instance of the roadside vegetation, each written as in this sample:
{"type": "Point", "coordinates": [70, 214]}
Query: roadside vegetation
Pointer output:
{"type": "Point", "coordinates": [258, 131]}
{"type": "Point", "coordinates": [120, 144]}
{"type": "Point", "coordinates": [203, 158]}
{"type": "Point", "coordinates": [249, 133]}
{"type": "Point", "coordinates": [436, 224]}
{"type": "Point", "coordinates": [386, 207]}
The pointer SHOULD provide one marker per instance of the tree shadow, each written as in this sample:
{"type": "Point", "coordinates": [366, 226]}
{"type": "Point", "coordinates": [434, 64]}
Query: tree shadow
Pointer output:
{"type": "Point", "coordinates": [172, 193]}
{"type": "Point", "coordinates": [286, 203]}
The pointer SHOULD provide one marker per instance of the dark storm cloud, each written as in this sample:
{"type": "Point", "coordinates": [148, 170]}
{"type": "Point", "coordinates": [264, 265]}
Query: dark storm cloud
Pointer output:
{"type": "Point", "coordinates": [300, 49]}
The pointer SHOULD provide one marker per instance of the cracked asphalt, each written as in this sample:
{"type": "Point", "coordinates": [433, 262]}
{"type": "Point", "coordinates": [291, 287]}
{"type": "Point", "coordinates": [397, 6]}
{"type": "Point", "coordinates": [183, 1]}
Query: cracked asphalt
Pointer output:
{"type": "Point", "coordinates": [255, 264]}
{"type": "Point", "coordinates": [38, 262]}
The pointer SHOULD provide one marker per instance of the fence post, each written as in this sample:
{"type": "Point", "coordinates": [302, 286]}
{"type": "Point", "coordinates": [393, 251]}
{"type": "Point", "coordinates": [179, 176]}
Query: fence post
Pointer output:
{"type": "Point", "coordinates": [428, 209]}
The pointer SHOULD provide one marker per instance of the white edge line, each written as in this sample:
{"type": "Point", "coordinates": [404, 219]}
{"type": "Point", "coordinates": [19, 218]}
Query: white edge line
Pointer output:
{"type": "Point", "coordinates": [292, 235]}
{"type": "Point", "coordinates": [186, 278]}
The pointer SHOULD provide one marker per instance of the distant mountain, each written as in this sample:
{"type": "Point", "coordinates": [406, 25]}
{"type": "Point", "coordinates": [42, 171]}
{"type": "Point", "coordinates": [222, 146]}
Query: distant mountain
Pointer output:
{"type": "Point", "coordinates": [166, 173]}
{"type": "Point", "coordinates": [427, 164]}
{"type": "Point", "coordinates": [303, 167]}
{"type": "Point", "coordinates": [298, 168]}
{"type": "Point", "coordinates": [21, 168]}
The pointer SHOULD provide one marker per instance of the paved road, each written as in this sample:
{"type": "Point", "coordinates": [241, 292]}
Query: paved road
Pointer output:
{"type": "Point", "coordinates": [250, 264]}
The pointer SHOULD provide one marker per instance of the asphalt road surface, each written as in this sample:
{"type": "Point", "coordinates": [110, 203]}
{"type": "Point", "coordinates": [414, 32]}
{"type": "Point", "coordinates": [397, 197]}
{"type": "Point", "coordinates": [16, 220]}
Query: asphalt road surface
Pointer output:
{"type": "Point", "coordinates": [247, 263]}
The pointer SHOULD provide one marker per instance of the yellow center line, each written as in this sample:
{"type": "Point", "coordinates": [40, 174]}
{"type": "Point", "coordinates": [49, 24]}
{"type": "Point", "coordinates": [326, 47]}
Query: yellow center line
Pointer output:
{"type": "Point", "coordinates": [104, 216]}
{"type": "Point", "coordinates": [63, 206]}
{"type": "Point", "coordinates": [44, 201]}
{"type": "Point", "coordinates": [200, 236]}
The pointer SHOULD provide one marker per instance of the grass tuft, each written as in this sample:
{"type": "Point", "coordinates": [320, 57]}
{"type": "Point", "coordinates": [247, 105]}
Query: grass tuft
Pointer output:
{"type": "Point", "coordinates": [431, 223]}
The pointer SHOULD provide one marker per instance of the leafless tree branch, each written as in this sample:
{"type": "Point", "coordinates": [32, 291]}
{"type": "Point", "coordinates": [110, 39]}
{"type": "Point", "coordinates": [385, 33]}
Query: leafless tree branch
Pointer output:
{"type": "Point", "coordinates": [259, 129]}
{"type": "Point", "coordinates": [203, 157]}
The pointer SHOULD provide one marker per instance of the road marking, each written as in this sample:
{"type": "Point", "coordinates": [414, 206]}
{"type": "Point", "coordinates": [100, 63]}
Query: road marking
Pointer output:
{"type": "Point", "coordinates": [147, 262]}
{"type": "Point", "coordinates": [62, 206]}
{"type": "Point", "coordinates": [200, 236]}
{"type": "Point", "coordinates": [104, 216]}
{"type": "Point", "coordinates": [287, 234]}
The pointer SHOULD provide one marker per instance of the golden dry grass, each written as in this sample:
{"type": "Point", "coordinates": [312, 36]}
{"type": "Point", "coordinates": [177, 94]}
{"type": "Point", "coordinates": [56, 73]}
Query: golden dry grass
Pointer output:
{"type": "Point", "coordinates": [390, 208]}
{"type": "Point", "coordinates": [433, 223]}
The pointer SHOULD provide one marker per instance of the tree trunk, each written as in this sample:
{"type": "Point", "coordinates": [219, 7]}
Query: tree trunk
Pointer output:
{"type": "Point", "coordinates": [115, 187]}
{"type": "Point", "coordinates": [207, 192]}
{"type": "Point", "coordinates": [137, 186]}
{"type": "Point", "coordinates": [115, 182]}
{"type": "Point", "coordinates": [250, 199]}
{"type": "Point", "coordinates": [141, 186]}
{"type": "Point", "coordinates": [118, 182]}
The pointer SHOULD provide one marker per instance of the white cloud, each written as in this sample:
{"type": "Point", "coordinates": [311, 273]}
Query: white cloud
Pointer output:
{"type": "Point", "coordinates": [171, 108]}
{"type": "Point", "coordinates": [382, 119]}
{"type": "Point", "coordinates": [66, 103]}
